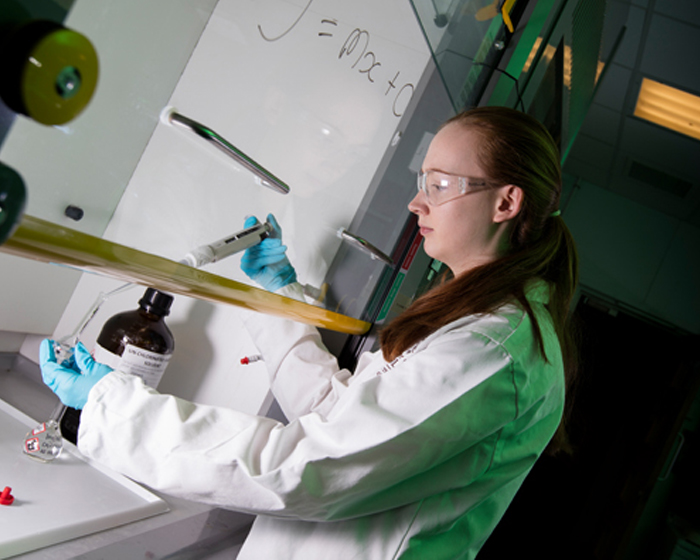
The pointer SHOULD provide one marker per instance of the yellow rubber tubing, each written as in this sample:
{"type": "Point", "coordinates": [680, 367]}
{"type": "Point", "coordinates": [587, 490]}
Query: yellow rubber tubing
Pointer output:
{"type": "Point", "coordinates": [44, 241]}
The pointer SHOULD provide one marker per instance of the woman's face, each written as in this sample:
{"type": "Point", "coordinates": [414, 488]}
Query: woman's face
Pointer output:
{"type": "Point", "coordinates": [467, 231]}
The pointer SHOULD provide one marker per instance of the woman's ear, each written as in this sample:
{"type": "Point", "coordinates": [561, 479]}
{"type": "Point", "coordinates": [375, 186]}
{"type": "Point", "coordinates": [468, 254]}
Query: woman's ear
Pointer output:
{"type": "Point", "coordinates": [508, 203]}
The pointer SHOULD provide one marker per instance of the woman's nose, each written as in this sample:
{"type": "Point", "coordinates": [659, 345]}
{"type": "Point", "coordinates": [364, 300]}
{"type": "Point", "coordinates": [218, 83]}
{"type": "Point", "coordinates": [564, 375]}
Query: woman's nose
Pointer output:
{"type": "Point", "coordinates": [419, 204]}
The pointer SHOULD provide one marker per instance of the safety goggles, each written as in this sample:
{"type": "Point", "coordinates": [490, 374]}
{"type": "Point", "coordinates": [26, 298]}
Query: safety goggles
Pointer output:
{"type": "Point", "coordinates": [440, 187]}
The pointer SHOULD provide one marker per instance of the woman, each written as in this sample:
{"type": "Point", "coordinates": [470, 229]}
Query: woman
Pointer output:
{"type": "Point", "coordinates": [419, 452]}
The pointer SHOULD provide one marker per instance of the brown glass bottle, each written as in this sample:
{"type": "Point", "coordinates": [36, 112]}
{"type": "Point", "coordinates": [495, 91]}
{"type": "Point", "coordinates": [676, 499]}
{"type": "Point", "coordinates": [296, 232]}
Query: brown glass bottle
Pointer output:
{"type": "Point", "coordinates": [137, 342]}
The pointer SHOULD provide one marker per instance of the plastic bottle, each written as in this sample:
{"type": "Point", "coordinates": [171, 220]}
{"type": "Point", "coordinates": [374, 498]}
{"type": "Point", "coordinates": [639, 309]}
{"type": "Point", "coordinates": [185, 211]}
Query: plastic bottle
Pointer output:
{"type": "Point", "coordinates": [137, 342]}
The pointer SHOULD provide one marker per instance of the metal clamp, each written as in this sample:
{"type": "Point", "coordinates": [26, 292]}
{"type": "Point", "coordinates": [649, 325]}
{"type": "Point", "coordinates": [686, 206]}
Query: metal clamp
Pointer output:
{"type": "Point", "coordinates": [364, 246]}
{"type": "Point", "coordinates": [266, 178]}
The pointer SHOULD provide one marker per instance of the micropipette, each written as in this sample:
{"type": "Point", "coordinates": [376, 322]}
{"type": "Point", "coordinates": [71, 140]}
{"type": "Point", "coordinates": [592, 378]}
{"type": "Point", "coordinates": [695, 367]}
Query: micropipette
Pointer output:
{"type": "Point", "coordinates": [227, 246]}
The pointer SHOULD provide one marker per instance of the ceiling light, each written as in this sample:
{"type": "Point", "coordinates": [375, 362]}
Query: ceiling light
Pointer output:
{"type": "Point", "coordinates": [669, 107]}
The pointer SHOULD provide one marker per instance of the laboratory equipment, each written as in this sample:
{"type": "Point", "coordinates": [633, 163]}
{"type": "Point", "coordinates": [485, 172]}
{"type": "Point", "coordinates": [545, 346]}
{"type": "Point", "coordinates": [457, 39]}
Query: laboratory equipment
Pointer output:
{"type": "Point", "coordinates": [227, 246]}
{"type": "Point", "coordinates": [48, 242]}
{"type": "Point", "coordinates": [51, 71]}
{"type": "Point", "coordinates": [251, 359]}
{"type": "Point", "coordinates": [139, 342]}
{"type": "Point", "coordinates": [44, 442]}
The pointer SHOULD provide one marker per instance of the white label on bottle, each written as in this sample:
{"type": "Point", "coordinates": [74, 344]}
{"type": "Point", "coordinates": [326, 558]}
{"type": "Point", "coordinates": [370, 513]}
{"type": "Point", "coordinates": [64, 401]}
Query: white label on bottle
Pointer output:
{"type": "Point", "coordinates": [104, 356]}
{"type": "Point", "coordinates": [149, 366]}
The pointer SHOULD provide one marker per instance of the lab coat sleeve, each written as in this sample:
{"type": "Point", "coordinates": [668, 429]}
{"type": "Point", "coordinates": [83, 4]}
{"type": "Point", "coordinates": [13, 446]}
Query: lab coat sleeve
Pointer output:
{"type": "Point", "coordinates": [304, 375]}
{"type": "Point", "coordinates": [428, 411]}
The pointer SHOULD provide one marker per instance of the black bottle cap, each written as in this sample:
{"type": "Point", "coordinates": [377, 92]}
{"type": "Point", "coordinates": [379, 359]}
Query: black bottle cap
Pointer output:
{"type": "Point", "coordinates": [156, 302]}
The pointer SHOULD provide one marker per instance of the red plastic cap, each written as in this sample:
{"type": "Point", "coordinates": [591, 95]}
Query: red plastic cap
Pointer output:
{"type": "Point", "coordinates": [6, 498]}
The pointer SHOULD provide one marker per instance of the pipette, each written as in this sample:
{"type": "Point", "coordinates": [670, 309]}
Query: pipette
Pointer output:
{"type": "Point", "coordinates": [227, 246]}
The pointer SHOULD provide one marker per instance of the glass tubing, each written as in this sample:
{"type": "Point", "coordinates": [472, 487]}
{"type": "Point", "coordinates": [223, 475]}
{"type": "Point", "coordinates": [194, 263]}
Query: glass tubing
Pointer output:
{"type": "Point", "coordinates": [44, 241]}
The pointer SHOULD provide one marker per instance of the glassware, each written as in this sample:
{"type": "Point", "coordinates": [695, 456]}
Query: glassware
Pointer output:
{"type": "Point", "coordinates": [45, 442]}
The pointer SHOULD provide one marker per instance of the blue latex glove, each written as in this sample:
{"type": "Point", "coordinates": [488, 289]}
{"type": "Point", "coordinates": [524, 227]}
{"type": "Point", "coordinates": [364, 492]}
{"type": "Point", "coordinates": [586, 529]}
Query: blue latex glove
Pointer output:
{"type": "Point", "coordinates": [73, 380]}
{"type": "Point", "coordinates": [266, 263]}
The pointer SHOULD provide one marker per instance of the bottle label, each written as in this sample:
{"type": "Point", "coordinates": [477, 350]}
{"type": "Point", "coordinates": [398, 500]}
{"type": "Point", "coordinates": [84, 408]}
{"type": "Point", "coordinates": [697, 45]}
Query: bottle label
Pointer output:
{"type": "Point", "coordinates": [149, 366]}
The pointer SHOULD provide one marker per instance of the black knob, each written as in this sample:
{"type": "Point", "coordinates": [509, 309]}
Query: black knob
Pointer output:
{"type": "Point", "coordinates": [74, 212]}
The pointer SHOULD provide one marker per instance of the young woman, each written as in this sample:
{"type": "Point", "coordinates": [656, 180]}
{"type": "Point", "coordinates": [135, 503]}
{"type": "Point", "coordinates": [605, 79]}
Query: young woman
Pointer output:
{"type": "Point", "coordinates": [419, 452]}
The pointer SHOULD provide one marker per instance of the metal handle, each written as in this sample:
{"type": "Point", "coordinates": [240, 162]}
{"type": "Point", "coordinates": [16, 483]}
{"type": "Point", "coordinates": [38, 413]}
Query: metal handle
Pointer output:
{"type": "Point", "coordinates": [266, 178]}
{"type": "Point", "coordinates": [364, 245]}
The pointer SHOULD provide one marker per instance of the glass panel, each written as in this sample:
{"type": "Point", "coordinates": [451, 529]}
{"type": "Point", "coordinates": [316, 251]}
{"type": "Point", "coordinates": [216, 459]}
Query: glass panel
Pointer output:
{"type": "Point", "coordinates": [460, 34]}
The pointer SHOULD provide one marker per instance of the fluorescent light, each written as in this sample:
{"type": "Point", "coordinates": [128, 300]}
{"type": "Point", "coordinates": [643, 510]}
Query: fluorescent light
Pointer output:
{"type": "Point", "coordinates": [669, 107]}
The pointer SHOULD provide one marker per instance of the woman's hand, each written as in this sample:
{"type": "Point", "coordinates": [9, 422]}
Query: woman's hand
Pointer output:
{"type": "Point", "coordinates": [72, 380]}
{"type": "Point", "coordinates": [266, 263]}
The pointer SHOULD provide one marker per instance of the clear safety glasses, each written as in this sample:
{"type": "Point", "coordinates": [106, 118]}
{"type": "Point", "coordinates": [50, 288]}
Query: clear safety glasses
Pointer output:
{"type": "Point", "coordinates": [440, 187]}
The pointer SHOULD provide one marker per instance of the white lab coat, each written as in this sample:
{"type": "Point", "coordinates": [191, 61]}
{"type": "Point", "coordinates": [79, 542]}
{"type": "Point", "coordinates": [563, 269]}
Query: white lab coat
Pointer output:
{"type": "Point", "coordinates": [417, 458]}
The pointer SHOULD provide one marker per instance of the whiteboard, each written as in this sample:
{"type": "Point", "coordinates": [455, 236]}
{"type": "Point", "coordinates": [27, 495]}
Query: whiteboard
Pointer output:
{"type": "Point", "coordinates": [313, 90]}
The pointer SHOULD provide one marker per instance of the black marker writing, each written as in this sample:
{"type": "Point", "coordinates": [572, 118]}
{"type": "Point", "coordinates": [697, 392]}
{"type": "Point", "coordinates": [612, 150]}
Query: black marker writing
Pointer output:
{"type": "Point", "coordinates": [365, 61]}
{"type": "Point", "coordinates": [271, 39]}
{"type": "Point", "coordinates": [407, 89]}
{"type": "Point", "coordinates": [351, 43]}
{"type": "Point", "coordinates": [330, 22]}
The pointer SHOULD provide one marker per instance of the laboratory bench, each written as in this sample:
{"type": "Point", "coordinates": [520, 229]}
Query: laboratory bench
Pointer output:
{"type": "Point", "coordinates": [187, 530]}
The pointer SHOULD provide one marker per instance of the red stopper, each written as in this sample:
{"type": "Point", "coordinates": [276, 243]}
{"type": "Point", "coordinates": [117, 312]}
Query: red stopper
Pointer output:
{"type": "Point", "coordinates": [6, 498]}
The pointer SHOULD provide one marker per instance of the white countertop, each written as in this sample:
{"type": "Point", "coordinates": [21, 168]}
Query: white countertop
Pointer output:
{"type": "Point", "coordinates": [187, 530]}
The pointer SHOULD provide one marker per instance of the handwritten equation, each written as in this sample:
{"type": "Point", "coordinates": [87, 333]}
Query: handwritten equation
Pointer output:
{"type": "Point", "coordinates": [356, 50]}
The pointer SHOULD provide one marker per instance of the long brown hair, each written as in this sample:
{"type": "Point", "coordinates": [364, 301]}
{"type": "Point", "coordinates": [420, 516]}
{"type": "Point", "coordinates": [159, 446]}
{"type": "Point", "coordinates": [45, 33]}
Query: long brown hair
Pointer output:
{"type": "Point", "coordinates": [514, 149]}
